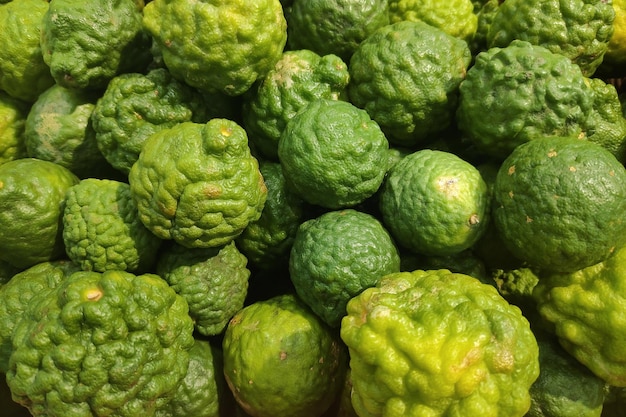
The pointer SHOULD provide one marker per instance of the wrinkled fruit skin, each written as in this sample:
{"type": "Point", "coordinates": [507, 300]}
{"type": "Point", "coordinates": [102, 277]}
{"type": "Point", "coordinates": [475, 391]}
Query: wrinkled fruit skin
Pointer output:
{"type": "Point", "coordinates": [585, 309]}
{"type": "Point", "coordinates": [207, 190]}
{"type": "Point", "coordinates": [435, 203]}
{"type": "Point", "coordinates": [333, 154]}
{"type": "Point", "coordinates": [102, 230]}
{"type": "Point", "coordinates": [214, 281]}
{"type": "Point", "coordinates": [267, 241]}
{"type": "Point", "coordinates": [23, 73]}
{"type": "Point", "coordinates": [136, 105]}
{"type": "Point", "coordinates": [16, 295]}
{"type": "Point", "coordinates": [577, 29]}
{"type": "Point", "coordinates": [336, 256]}
{"type": "Point", "coordinates": [528, 92]}
{"type": "Point", "coordinates": [218, 45]}
{"type": "Point", "coordinates": [439, 344]}
{"type": "Point", "coordinates": [95, 345]}
{"type": "Point", "coordinates": [406, 76]}
{"type": "Point", "coordinates": [87, 43]}
{"type": "Point", "coordinates": [58, 129]}
{"type": "Point", "coordinates": [31, 208]}
{"type": "Point", "coordinates": [298, 78]}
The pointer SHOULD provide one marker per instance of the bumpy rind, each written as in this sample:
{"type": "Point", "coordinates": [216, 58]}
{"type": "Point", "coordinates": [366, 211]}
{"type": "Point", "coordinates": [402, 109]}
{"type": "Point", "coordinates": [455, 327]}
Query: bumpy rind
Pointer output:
{"type": "Point", "coordinates": [102, 230]}
{"type": "Point", "coordinates": [214, 281]}
{"type": "Point", "coordinates": [108, 344]}
{"type": "Point", "coordinates": [220, 45]}
{"type": "Point", "coordinates": [437, 343]}
{"type": "Point", "coordinates": [207, 189]}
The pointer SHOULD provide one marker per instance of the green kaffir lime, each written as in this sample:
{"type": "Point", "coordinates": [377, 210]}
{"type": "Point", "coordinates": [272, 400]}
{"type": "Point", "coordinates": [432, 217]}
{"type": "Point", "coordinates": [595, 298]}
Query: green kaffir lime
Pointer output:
{"type": "Point", "coordinates": [214, 281]}
{"type": "Point", "coordinates": [577, 29]}
{"type": "Point", "coordinates": [136, 105]}
{"type": "Point", "coordinates": [281, 360]}
{"type": "Point", "coordinates": [32, 199]}
{"type": "Point", "coordinates": [218, 45]}
{"type": "Point", "coordinates": [266, 242]}
{"type": "Point", "coordinates": [110, 343]}
{"type": "Point", "coordinates": [406, 76]}
{"type": "Point", "coordinates": [437, 343]}
{"type": "Point", "coordinates": [528, 92]}
{"type": "Point", "coordinates": [203, 392]}
{"type": "Point", "coordinates": [606, 124]}
{"type": "Point", "coordinates": [585, 310]}
{"type": "Point", "coordinates": [198, 184]}
{"type": "Point", "coordinates": [102, 230]}
{"type": "Point", "coordinates": [298, 78]}
{"type": "Point", "coordinates": [336, 256]}
{"type": "Point", "coordinates": [334, 26]}
{"type": "Point", "coordinates": [58, 129]}
{"type": "Point", "coordinates": [435, 203]}
{"type": "Point", "coordinates": [559, 203]}
{"type": "Point", "coordinates": [87, 43]}
{"type": "Point", "coordinates": [13, 113]}
{"type": "Point", "coordinates": [565, 387]}
{"type": "Point", "coordinates": [23, 72]}
{"type": "Point", "coordinates": [455, 17]}
{"type": "Point", "coordinates": [17, 294]}
{"type": "Point", "coordinates": [333, 154]}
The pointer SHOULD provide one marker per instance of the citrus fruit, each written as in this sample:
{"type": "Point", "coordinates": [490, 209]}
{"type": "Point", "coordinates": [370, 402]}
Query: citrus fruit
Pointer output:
{"type": "Point", "coordinates": [281, 360]}
{"type": "Point", "coordinates": [528, 91]}
{"type": "Point", "coordinates": [333, 154]}
{"type": "Point", "coordinates": [299, 77]}
{"type": "Point", "coordinates": [217, 45]}
{"type": "Point", "coordinates": [23, 72]}
{"type": "Point", "coordinates": [606, 124]}
{"type": "Point", "coordinates": [579, 30]}
{"type": "Point", "coordinates": [437, 343]}
{"type": "Point", "coordinates": [214, 281]}
{"type": "Point", "coordinates": [336, 256]}
{"type": "Point", "coordinates": [31, 208]}
{"type": "Point", "coordinates": [266, 242]}
{"type": "Point", "coordinates": [135, 105]}
{"type": "Point", "coordinates": [558, 203]}
{"type": "Point", "coordinates": [207, 189]}
{"type": "Point", "coordinates": [203, 391]}
{"type": "Point", "coordinates": [456, 17]}
{"type": "Point", "coordinates": [102, 230]}
{"type": "Point", "coordinates": [17, 294]}
{"type": "Point", "coordinates": [406, 76]}
{"type": "Point", "coordinates": [334, 26]}
{"type": "Point", "coordinates": [584, 309]}
{"type": "Point", "coordinates": [87, 43]}
{"type": "Point", "coordinates": [565, 387]}
{"type": "Point", "coordinates": [435, 203]}
{"type": "Point", "coordinates": [13, 115]}
{"type": "Point", "coordinates": [58, 129]}
{"type": "Point", "coordinates": [101, 343]}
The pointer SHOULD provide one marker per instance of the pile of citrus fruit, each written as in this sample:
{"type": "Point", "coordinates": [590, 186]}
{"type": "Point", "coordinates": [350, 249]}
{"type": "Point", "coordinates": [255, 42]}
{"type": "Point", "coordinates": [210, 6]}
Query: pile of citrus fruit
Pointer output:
{"type": "Point", "coordinates": [312, 208]}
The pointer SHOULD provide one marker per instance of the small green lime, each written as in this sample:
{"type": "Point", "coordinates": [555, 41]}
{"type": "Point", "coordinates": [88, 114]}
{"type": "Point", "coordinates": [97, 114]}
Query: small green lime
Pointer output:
{"type": "Point", "coordinates": [435, 203]}
{"type": "Point", "coordinates": [406, 75]}
{"type": "Point", "coordinates": [198, 184]}
{"type": "Point", "coordinates": [32, 199]}
{"type": "Point", "coordinates": [13, 113]}
{"type": "Point", "coordinates": [102, 230]}
{"type": "Point", "coordinates": [281, 360]}
{"type": "Point", "coordinates": [559, 203]}
{"type": "Point", "coordinates": [214, 281]}
{"type": "Point", "coordinates": [218, 45]}
{"type": "Point", "coordinates": [333, 154]}
{"type": "Point", "coordinates": [336, 256]}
